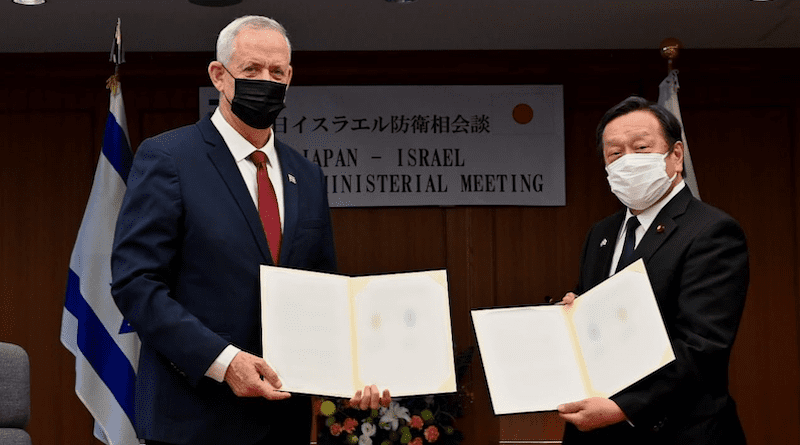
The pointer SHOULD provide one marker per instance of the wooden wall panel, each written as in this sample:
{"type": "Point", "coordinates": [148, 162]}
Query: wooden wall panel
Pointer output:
{"type": "Point", "coordinates": [744, 159]}
{"type": "Point", "coordinates": [44, 180]}
{"type": "Point", "coordinates": [793, 392]}
{"type": "Point", "coordinates": [471, 265]}
{"type": "Point", "coordinates": [741, 111]}
{"type": "Point", "coordinates": [381, 240]}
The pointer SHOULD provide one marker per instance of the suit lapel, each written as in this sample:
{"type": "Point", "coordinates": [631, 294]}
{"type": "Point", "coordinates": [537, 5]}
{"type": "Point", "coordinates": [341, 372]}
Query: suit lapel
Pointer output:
{"type": "Point", "coordinates": [290, 204]}
{"type": "Point", "coordinates": [221, 157]}
{"type": "Point", "coordinates": [610, 234]}
{"type": "Point", "coordinates": [663, 226]}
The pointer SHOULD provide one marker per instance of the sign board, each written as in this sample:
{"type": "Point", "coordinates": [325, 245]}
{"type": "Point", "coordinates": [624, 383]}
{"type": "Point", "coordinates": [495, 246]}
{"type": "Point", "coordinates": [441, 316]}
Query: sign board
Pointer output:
{"type": "Point", "coordinates": [428, 145]}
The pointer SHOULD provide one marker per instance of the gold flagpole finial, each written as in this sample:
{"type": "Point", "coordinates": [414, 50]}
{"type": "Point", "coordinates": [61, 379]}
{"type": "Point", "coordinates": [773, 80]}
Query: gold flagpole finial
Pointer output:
{"type": "Point", "coordinates": [669, 50]}
{"type": "Point", "coordinates": [112, 83]}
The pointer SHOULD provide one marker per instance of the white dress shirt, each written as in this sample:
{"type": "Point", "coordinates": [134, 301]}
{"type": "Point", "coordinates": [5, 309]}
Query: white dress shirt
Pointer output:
{"type": "Point", "coordinates": [645, 218]}
{"type": "Point", "coordinates": [240, 150]}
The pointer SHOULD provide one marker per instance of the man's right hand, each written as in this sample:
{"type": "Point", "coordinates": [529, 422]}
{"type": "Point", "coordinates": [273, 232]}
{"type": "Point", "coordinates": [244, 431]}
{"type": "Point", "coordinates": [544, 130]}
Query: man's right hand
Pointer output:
{"type": "Point", "coordinates": [250, 376]}
{"type": "Point", "coordinates": [568, 299]}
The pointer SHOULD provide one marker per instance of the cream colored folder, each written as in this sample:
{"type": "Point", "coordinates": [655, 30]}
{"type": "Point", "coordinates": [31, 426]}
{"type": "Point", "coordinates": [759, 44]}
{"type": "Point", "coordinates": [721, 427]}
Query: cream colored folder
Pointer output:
{"type": "Point", "coordinates": [537, 357]}
{"type": "Point", "coordinates": [332, 335]}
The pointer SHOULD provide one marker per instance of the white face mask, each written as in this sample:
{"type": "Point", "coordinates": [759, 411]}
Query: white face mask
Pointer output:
{"type": "Point", "coordinates": [639, 179]}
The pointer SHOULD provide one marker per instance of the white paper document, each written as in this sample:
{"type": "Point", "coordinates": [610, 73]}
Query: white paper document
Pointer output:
{"type": "Point", "coordinates": [331, 335]}
{"type": "Point", "coordinates": [538, 357]}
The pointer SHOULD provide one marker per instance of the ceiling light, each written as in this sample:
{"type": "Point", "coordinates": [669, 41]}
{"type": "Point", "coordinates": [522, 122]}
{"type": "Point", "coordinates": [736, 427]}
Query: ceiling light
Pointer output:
{"type": "Point", "coordinates": [401, 1]}
{"type": "Point", "coordinates": [29, 2]}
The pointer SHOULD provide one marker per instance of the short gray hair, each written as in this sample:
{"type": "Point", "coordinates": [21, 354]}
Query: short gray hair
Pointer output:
{"type": "Point", "coordinates": [228, 35]}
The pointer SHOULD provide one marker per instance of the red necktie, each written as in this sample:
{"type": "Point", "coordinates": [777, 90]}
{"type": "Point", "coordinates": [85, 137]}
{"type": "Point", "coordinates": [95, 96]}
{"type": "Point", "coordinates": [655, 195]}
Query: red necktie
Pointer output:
{"type": "Point", "coordinates": [268, 205]}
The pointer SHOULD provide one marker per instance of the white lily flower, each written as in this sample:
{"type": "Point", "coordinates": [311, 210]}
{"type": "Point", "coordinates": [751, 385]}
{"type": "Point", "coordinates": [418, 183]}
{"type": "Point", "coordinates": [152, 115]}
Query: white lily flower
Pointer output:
{"type": "Point", "coordinates": [367, 431]}
{"type": "Point", "coordinates": [390, 417]}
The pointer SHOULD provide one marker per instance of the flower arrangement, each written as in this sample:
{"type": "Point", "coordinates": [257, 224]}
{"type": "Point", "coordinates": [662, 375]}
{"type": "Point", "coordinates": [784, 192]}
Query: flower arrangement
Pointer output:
{"type": "Point", "coordinates": [409, 421]}
{"type": "Point", "coordinates": [406, 421]}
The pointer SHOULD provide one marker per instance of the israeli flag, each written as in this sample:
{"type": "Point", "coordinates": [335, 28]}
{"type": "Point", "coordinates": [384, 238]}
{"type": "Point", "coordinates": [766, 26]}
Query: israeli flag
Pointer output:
{"type": "Point", "coordinates": [92, 328]}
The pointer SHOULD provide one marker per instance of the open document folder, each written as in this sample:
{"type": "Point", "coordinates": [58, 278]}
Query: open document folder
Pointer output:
{"type": "Point", "coordinates": [538, 357]}
{"type": "Point", "coordinates": [332, 335]}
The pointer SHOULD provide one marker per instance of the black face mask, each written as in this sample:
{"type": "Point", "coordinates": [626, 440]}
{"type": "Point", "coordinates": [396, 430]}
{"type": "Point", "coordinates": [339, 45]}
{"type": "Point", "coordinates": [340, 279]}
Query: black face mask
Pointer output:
{"type": "Point", "coordinates": [257, 102]}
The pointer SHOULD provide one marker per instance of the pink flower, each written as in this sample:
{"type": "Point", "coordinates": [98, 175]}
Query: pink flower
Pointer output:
{"type": "Point", "coordinates": [336, 429]}
{"type": "Point", "coordinates": [431, 434]}
{"type": "Point", "coordinates": [416, 441]}
{"type": "Point", "coordinates": [416, 422]}
{"type": "Point", "coordinates": [350, 425]}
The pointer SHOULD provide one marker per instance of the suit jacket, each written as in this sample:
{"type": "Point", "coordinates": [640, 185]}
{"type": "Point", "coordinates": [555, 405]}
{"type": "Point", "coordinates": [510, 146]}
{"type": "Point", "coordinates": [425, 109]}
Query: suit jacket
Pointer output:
{"type": "Point", "coordinates": [185, 269]}
{"type": "Point", "coordinates": [696, 258]}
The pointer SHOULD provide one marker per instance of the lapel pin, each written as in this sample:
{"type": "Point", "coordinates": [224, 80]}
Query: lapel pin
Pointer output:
{"type": "Point", "coordinates": [604, 242]}
{"type": "Point", "coordinates": [660, 228]}
{"type": "Point", "coordinates": [291, 179]}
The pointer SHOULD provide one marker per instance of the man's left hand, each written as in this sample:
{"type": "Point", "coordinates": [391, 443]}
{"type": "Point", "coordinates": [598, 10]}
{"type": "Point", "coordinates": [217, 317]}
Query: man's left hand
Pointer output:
{"type": "Point", "coordinates": [590, 414]}
{"type": "Point", "coordinates": [371, 398]}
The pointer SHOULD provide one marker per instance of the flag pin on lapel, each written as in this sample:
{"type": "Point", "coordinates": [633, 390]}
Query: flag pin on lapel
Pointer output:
{"type": "Point", "coordinates": [660, 228]}
{"type": "Point", "coordinates": [291, 179]}
{"type": "Point", "coordinates": [604, 242]}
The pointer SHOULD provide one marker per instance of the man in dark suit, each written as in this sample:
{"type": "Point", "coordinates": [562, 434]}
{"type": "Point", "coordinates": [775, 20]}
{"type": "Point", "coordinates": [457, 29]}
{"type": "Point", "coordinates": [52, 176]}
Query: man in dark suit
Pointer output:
{"type": "Point", "coordinates": [696, 258]}
{"type": "Point", "coordinates": [201, 213]}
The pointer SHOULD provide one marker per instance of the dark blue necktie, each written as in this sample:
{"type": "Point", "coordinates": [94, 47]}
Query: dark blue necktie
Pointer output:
{"type": "Point", "coordinates": [630, 242]}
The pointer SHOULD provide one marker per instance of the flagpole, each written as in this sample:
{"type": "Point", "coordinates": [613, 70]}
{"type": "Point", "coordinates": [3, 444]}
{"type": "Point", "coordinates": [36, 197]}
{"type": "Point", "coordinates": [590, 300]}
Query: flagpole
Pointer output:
{"type": "Point", "coordinates": [106, 349]}
{"type": "Point", "coordinates": [117, 56]}
{"type": "Point", "coordinates": [668, 98]}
